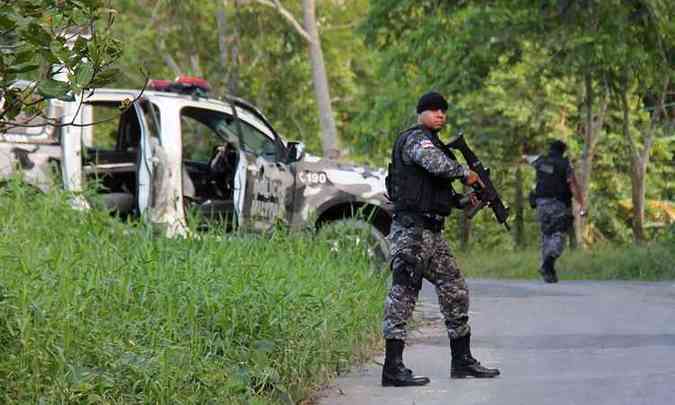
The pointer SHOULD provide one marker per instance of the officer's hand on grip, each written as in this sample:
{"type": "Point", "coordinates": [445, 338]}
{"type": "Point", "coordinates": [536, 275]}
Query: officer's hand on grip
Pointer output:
{"type": "Point", "coordinates": [468, 200]}
{"type": "Point", "coordinates": [472, 179]}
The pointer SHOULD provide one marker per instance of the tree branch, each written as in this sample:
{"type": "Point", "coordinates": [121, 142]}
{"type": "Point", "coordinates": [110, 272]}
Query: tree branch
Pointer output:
{"type": "Point", "coordinates": [288, 16]}
{"type": "Point", "coordinates": [54, 122]}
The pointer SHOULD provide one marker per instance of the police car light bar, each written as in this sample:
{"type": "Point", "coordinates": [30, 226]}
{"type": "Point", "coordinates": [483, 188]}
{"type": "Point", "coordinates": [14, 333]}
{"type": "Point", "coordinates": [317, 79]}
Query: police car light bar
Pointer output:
{"type": "Point", "coordinates": [182, 85]}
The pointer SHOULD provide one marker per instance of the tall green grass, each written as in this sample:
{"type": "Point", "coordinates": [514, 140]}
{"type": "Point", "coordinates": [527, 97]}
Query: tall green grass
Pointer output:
{"type": "Point", "coordinates": [93, 310]}
{"type": "Point", "coordinates": [651, 262]}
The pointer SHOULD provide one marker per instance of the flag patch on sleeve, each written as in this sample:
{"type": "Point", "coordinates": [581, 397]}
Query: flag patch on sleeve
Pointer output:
{"type": "Point", "coordinates": [426, 144]}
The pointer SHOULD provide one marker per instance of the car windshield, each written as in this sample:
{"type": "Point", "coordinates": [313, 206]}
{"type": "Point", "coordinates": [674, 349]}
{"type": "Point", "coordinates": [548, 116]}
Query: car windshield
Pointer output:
{"type": "Point", "coordinates": [252, 139]}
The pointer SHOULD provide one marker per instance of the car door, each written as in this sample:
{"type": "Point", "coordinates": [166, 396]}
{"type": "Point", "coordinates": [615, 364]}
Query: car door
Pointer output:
{"type": "Point", "coordinates": [71, 161]}
{"type": "Point", "coordinates": [147, 118]}
{"type": "Point", "coordinates": [268, 198]}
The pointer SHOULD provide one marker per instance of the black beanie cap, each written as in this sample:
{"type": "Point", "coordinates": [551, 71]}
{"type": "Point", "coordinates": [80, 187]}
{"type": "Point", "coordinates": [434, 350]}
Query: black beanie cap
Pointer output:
{"type": "Point", "coordinates": [432, 101]}
{"type": "Point", "coordinates": [557, 146]}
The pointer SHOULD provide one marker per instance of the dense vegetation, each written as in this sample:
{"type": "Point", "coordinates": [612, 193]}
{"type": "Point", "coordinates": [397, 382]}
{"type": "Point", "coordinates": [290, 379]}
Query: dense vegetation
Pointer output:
{"type": "Point", "coordinates": [64, 46]}
{"type": "Point", "coordinates": [597, 74]}
{"type": "Point", "coordinates": [653, 262]}
{"type": "Point", "coordinates": [92, 310]}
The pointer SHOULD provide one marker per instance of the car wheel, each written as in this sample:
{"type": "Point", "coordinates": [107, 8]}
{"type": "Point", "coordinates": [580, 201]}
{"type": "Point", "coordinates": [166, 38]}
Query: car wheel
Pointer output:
{"type": "Point", "coordinates": [359, 234]}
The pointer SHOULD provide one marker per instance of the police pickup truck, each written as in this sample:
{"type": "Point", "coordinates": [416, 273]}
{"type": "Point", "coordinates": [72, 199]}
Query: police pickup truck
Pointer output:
{"type": "Point", "coordinates": [175, 155]}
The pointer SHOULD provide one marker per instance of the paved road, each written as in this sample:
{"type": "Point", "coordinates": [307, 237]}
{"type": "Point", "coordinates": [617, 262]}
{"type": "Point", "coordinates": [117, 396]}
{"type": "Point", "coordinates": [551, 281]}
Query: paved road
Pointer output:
{"type": "Point", "coordinates": [590, 343]}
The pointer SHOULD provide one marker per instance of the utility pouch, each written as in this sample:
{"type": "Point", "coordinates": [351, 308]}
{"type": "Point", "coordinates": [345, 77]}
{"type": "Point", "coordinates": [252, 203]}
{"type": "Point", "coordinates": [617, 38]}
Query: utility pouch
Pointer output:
{"type": "Point", "coordinates": [408, 270]}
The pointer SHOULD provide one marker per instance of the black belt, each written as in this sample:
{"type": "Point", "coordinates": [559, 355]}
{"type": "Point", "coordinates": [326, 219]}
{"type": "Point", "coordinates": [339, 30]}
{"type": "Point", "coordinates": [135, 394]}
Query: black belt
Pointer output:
{"type": "Point", "coordinates": [410, 219]}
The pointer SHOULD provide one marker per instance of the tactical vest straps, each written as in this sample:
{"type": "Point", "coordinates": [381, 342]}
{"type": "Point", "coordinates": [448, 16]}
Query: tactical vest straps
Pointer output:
{"type": "Point", "coordinates": [552, 173]}
{"type": "Point", "coordinates": [411, 188]}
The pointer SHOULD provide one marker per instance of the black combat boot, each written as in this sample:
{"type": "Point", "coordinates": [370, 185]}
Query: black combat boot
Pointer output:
{"type": "Point", "coordinates": [548, 270]}
{"type": "Point", "coordinates": [463, 364]}
{"type": "Point", "coordinates": [394, 373]}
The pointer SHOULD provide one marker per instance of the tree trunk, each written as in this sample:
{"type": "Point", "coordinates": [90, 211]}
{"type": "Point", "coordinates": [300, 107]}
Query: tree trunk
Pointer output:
{"type": "Point", "coordinates": [196, 65]}
{"type": "Point", "coordinates": [320, 80]}
{"type": "Point", "coordinates": [168, 59]}
{"type": "Point", "coordinates": [319, 77]}
{"type": "Point", "coordinates": [638, 169]}
{"type": "Point", "coordinates": [640, 158]}
{"type": "Point", "coordinates": [593, 123]}
{"type": "Point", "coordinates": [228, 47]}
{"type": "Point", "coordinates": [233, 82]}
{"type": "Point", "coordinates": [221, 22]}
{"type": "Point", "coordinates": [572, 236]}
{"type": "Point", "coordinates": [519, 203]}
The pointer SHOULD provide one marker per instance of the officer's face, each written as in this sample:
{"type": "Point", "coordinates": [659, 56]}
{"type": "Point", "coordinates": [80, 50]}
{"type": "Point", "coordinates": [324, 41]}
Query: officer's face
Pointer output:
{"type": "Point", "coordinates": [433, 119]}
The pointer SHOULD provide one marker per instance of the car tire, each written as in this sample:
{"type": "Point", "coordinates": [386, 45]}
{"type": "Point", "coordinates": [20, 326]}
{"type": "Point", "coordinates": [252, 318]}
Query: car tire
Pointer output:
{"type": "Point", "coordinates": [352, 230]}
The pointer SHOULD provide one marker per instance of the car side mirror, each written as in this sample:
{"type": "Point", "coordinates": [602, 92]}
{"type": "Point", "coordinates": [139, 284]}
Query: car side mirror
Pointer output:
{"type": "Point", "coordinates": [296, 151]}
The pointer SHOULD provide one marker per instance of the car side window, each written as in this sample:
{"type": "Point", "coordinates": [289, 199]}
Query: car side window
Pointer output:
{"type": "Point", "coordinates": [196, 120]}
{"type": "Point", "coordinates": [199, 137]}
{"type": "Point", "coordinates": [104, 134]}
{"type": "Point", "coordinates": [256, 142]}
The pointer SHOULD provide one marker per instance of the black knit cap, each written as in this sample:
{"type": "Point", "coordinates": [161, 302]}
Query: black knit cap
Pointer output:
{"type": "Point", "coordinates": [432, 101]}
{"type": "Point", "coordinates": [557, 146]}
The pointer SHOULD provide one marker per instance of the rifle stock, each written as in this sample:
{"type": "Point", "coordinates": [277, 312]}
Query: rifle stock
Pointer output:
{"type": "Point", "coordinates": [488, 194]}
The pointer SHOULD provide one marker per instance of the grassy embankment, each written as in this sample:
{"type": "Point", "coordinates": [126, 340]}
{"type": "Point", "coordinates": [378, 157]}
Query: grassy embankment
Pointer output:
{"type": "Point", "coordinates": [652, 262]}
{"type": "Point", "coordinates": [94, 311]}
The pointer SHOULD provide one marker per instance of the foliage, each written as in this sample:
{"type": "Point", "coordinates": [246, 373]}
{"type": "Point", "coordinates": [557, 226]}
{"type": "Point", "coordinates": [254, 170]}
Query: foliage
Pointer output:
{"type": "Point", "coordinates": [93, 310]}
{"type": "Point", "coordinates": [513, 69]}
{"type": "Point", "coordinates": [514, 72]}
{"type": "Point", "coordinates": [64, 46]}
{"type": "Point", "coordinates": [272, 61]}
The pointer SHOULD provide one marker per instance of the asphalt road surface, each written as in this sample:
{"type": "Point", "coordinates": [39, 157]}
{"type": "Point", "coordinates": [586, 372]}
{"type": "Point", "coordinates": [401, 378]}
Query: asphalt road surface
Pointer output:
{"type": "Point", "coordinates": [589, 343]}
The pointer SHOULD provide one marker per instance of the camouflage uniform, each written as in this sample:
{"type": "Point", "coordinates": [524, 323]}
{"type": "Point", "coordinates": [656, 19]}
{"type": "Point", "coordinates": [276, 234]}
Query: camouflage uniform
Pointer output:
{"type": "Point", "coordinates": [419, 252]}
{"type": "Point", "coordinates": [554, 216]}
{"type": "Point", "coordinates": [555, 219]}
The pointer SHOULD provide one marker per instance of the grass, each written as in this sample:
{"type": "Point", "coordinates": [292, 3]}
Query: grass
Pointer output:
{"type": "Point", "coordinates": [652, 262]}
{"type": "Point", "coordinates": [95, 311]}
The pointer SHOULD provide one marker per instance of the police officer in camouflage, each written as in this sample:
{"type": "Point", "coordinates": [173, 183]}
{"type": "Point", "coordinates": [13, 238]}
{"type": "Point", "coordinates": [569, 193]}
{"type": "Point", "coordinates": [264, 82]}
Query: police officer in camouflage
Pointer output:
{"type": "Point", "coordinates": [556, 185]}
{"type": "Point", "coordinates": [419, 185]}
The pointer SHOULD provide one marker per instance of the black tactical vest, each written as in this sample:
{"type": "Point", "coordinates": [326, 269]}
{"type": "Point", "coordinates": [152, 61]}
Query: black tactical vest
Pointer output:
{"type": "Point", "coordinates": [411, 188]}
{"type": "Point", "coordinates": [552, 178]}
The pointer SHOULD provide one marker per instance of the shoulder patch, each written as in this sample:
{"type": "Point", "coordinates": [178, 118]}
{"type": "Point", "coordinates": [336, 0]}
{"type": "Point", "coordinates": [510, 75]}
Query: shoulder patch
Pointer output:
{"type": "Point", "coordinates": [425, 143]}
{"type": "Point", "coordinates": [546, 168]}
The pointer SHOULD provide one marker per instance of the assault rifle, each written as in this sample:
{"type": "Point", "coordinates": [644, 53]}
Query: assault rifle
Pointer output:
{"type": "Point", "coordinates": [487, 194]}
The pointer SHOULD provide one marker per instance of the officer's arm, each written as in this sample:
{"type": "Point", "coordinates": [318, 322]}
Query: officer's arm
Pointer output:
{"type": "Point", "coordinates": [530, 159]}
{"type": "Point", "coordinates": [422, 151]}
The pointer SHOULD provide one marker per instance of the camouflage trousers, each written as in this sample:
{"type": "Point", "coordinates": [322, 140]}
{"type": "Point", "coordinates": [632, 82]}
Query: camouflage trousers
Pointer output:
{"type": "Point", "coordinates": [555, 219]}
{"type": "Point", "coordinates": [419, 254]}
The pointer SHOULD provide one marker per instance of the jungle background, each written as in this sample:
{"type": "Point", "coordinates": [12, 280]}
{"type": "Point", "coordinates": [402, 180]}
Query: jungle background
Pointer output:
{"type": "Point", "coordinates": [596, 74]}
{"type": "Point", "coordinates": [343, 76]}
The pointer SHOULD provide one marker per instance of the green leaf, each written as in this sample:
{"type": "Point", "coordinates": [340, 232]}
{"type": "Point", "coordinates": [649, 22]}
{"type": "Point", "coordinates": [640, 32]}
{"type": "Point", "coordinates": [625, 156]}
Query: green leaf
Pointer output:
{"type": "Point", "coordinates": [23, 57]}
{"type": "Point", "coordinates": [28, 67]}
{"type": "Point", "coordinates": [59, 50]}
{"type": "Point", "coordinates": [84, 74]}
{"type": "Point", "coordinates": [36, 35]}
{"type": "Point", "coordinates": [53, 88]}
{"type": "Point", "coordinates": [80, 45]}
{"type": "Point", "coordinates": [105, 77]}
{"type": "Point", "coordinates": [6, 23]}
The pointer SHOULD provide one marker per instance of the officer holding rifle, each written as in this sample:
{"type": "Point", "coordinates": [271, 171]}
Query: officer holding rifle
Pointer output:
{"type": "Point", "coordinates": [419, 185]}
